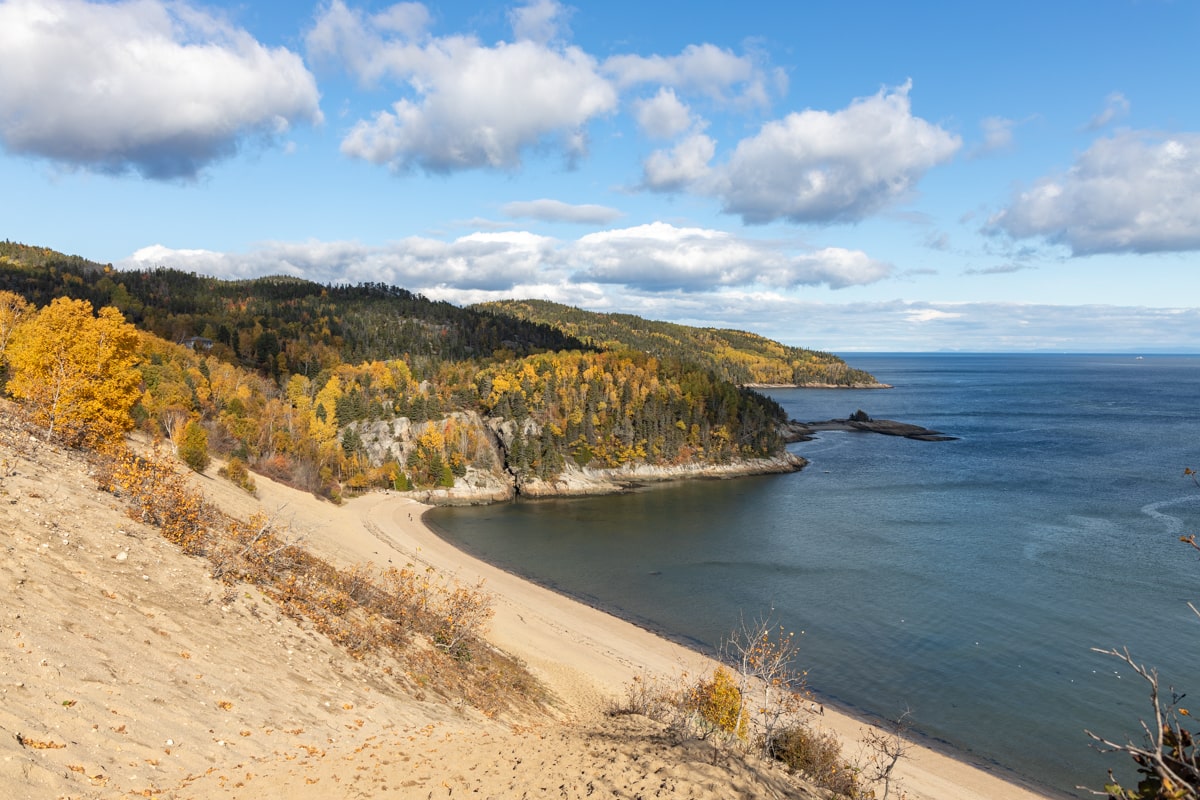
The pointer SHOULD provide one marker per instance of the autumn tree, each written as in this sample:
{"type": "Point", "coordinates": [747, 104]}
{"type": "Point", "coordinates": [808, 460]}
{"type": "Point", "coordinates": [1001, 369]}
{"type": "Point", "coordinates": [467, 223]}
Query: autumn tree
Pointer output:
{"type": "Point", "coordinates": [76, 371]}
{"type": "Point", "coordinates": [13, 309]}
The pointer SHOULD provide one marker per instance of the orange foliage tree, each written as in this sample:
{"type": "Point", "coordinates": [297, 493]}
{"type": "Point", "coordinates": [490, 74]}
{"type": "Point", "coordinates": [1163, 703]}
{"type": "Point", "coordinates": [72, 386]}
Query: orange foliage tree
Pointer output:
{"type": "Point", "coordinates": [76, 371]}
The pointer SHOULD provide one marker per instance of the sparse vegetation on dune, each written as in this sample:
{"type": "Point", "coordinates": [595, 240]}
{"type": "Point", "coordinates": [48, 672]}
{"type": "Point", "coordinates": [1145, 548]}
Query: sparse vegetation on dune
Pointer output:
{"type": "Point", "coordinates": [422, 619]}
{"type": "Point", "coordinates": [756, 705]}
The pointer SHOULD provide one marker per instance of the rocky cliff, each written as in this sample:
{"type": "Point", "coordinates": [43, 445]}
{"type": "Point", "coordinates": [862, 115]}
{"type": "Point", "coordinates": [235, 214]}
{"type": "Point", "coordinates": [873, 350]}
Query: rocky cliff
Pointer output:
{"type": "Point", "coordinates": [486, 479]}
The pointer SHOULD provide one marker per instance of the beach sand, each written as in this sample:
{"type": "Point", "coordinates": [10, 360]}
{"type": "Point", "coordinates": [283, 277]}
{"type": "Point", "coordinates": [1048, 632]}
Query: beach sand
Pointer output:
{"type": "Point", "coordinates": [125, 670]}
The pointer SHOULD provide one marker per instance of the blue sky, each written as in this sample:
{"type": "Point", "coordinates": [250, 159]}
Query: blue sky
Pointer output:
{"type": "Point", "coordinates": [846, 176]}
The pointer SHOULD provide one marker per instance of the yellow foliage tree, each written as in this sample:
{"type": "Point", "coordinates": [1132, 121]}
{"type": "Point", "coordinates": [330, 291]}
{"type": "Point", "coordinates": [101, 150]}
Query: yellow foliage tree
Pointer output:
{"type": "Point", "coordinates": [76, 371]}
{"type": "Point", "coordinates": [13, 309]}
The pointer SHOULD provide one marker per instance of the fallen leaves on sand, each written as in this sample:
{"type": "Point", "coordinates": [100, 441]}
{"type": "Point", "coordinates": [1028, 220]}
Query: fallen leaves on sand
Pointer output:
{"type": "Point", "coordinates": [38, 744]}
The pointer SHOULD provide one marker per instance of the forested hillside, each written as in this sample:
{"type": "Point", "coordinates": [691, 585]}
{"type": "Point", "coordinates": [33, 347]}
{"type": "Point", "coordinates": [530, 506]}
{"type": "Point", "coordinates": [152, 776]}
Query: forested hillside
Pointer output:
{"type": "Point", "coordinates": [279, 324]}
{"type": "Point", "coordinates": [737, 356]}
{"type": "Point", "coordinates": [337, 388]}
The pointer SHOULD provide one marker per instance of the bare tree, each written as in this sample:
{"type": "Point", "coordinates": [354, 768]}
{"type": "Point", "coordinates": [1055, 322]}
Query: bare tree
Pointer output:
{"type": "Point", "coordinates": [885, 747]}
{"type": "Point", "coordinates": [1167, 759]}
{"type": "Point", "coordinates": [772, 688]}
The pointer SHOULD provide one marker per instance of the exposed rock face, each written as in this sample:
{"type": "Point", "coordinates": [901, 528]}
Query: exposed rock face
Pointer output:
{"type": "Point", "coordinates": [476, 488]}
{"type": "Point", "coordinates": [575, 481]}
{"type": "Point", "coordinates": [487, 480]}
{"type": "Point", "coordinates": [860, 421]}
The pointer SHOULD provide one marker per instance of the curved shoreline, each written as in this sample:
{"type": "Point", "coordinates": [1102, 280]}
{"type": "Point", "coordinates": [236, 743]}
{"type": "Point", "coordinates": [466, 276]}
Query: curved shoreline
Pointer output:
{"type": "Point", "coordinates": [585, 656]}
{"type": "Point", "coordinates": [843, 719]}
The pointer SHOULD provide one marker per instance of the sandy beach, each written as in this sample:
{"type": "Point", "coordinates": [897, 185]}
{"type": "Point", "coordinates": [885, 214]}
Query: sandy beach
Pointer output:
{"type": "Point", "coordinates": [585, 656]}
{"type": "Point", "coordinates": [126, 670]}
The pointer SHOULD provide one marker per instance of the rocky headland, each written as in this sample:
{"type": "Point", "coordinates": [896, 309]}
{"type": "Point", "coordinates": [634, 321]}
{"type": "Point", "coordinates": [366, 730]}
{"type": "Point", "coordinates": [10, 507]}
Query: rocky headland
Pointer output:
{"type": "Point", "coordinates": [860, 421]}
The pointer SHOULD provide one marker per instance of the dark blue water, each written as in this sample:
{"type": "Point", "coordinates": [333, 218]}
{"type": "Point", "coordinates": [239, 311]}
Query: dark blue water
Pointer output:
{"type": "Point", "coordinates": [965, 580]}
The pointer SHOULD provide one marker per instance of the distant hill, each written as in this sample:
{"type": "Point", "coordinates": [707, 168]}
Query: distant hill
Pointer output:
{"type": "Point", "coordinates": [345, 388]}
{"type": "Point", "coordinates": [746, 359]}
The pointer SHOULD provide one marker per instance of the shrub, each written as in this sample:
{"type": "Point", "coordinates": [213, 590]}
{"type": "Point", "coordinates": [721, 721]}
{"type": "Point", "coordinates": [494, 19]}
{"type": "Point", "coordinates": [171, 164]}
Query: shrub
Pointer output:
{"type": "Point", "coordinates": [193, 447]}
{"type": "Point", "coordinates": [718, 702]}
{"type": "Point", "coordinates": [235, 472]}
{"type": "Point", "coordinates": [817, 755]}
{"type": "Point", "coordinates": [157, 495]}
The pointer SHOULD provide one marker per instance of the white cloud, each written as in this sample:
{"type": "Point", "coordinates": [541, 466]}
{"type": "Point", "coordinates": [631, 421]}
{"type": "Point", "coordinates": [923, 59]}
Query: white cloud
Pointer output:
{"type": "Point", "coordinates": [162, 89]}
{"type": "Point", "coordinates": [684, 165]}
{"type": "Point", "coordinates": [700, 270]}
{"type": "Point", "coordinates": [1116, 106]}
{"type": "Point", "coordinates": [1133, 193]}
{"type": "Point", "coordinates": [468, 105]}
{"type": "Point", "coordinates": [655, 256]}
{"type": "Point", "coordinates": [662, 116]}
{"type": "Point", "coordinates": [660, 256]}
{"type": "Point", "coordinates": [558, 211]}
{"type": "Point", "coordinates": [818, 166]}
{"type": "Point", "coordinates": [487, 261]}
{"type": "Point", "coordinates": [702, 68]}
{"type": "Point", "coordinates": [539, 21]}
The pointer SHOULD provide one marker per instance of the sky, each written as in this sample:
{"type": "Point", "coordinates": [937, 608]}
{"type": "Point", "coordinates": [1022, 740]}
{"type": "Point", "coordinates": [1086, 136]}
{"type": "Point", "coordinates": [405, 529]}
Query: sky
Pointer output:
{"type": "Point", "coordinates": [866, 176]}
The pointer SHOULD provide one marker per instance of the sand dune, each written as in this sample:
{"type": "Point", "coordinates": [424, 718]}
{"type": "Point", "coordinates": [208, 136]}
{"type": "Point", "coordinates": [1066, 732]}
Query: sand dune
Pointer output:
{"type": "Point", "coordinates": [125, 670]}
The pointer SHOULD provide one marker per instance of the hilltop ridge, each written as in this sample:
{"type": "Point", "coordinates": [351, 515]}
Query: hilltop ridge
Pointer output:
{"type": "Point", "coordinates": [740, 357]}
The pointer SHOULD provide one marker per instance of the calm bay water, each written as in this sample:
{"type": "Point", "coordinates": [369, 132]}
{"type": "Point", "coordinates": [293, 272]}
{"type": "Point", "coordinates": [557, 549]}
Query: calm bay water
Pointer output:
{"type": "Point", "coordinates": [964, 580]}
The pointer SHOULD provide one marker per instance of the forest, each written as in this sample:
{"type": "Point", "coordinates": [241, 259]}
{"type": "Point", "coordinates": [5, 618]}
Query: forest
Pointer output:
{"type": "Point", "coordinates": [736, 356]}
{"type": "Point", "coordinates": [338, 389]}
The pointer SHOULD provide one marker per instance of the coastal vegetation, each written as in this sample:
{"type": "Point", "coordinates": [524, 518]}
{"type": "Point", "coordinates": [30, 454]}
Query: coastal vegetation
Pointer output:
{"type": "Point", "coordinates": [756, 702]}
{"type": "Point", "coordinates": [339, 389]}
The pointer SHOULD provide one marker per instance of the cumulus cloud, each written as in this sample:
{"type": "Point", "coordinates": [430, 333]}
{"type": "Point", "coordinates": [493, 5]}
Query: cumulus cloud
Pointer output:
{"type": "Point", "coordinates": [660, 256]}
{"type": "Point", "coordinates": [468, 105]}
{"type": "Point", "coordinates": [558, 211]}
{"type": "Point", "coordinates": [705, 69]}
{"type": "Point", "coordinates": [662, 116]}
{"type": "Point", "coordinates": [820, 166]}
{"type": "Point", "coordinates": [1116, 106]}
{"type": "Point", "coordinates": [161, 89]}
{"type": "Point", "coordinates": [686, 164]}
{"type": "Point", "coordinates": [1133, 193]}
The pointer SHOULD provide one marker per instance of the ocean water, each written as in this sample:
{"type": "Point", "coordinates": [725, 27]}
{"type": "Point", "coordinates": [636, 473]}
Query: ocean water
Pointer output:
{"type": "Point", "coordinates": [965, 581]}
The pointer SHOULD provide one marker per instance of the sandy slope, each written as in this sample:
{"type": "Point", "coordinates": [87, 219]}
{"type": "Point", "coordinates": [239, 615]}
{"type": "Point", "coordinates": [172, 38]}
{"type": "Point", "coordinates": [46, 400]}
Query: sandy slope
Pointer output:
{"type": "Point", "coordinates": [126, 671]}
